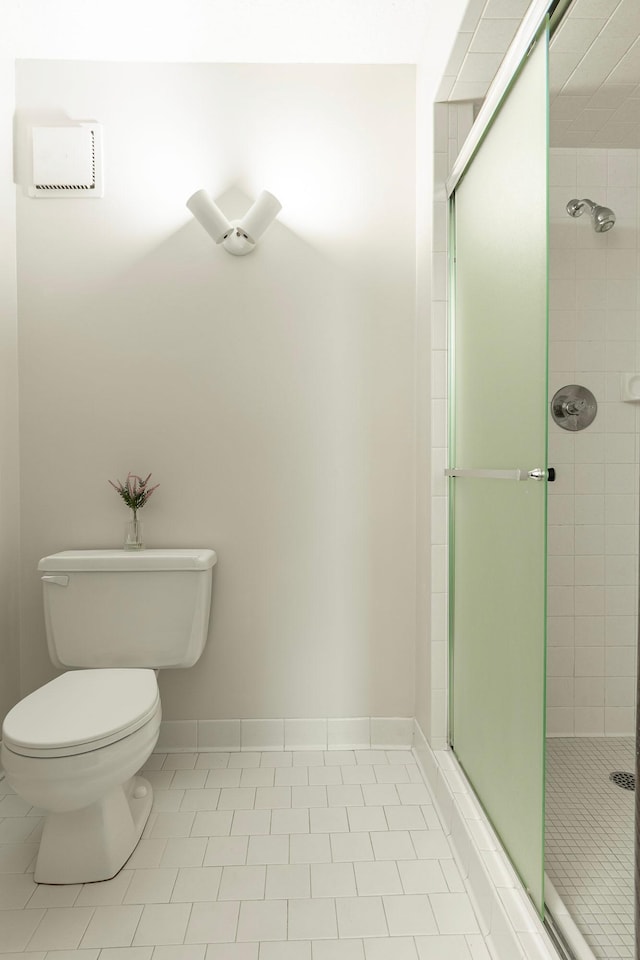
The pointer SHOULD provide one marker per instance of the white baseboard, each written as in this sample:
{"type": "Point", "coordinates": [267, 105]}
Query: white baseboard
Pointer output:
{"type": "Point", "coordinates": [351, 733]}
{"type": "Point", "coordinates": [507, 918]}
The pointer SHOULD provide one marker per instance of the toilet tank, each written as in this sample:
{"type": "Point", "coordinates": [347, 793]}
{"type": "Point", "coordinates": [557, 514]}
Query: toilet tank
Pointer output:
{"type": "Point", "coordinates": [121, 608]}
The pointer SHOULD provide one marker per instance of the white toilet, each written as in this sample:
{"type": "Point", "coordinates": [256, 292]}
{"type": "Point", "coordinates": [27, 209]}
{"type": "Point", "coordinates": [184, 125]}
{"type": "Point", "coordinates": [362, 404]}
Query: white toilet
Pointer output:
{"type": "Point", "coordinates": [74, 746]}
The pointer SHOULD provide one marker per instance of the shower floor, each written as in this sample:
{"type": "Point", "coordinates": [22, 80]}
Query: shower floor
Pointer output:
{"type": "Point", "coordinates": [589, 839]}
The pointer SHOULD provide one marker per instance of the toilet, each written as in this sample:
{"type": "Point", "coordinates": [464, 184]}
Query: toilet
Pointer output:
{"type": "Point", "coordinates": [74, 747]}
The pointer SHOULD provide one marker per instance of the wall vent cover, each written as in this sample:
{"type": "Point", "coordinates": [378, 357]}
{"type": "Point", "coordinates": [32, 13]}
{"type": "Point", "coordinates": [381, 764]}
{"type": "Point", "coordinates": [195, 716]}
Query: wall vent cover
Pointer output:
{"type": "Point", "coordinates": [67, 161]}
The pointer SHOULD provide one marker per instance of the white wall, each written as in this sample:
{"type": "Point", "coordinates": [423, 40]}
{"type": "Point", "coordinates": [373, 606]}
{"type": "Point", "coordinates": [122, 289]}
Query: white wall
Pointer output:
{"type": "Point", "coordinates": [593, 506]}
{"type": "Point", "coordinates": [272, 396]}
{"type": "Point", "coordinates": [9, 469]}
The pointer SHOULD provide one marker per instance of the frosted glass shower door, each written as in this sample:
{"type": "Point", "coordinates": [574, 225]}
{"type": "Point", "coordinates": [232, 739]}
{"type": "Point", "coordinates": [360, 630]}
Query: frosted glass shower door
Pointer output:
{"type": "Point", "coordinates": [498, 533]}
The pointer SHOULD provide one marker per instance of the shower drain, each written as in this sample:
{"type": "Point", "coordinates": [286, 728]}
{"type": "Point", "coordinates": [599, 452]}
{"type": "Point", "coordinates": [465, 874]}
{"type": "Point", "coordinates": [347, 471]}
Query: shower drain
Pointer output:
{"type": "Point", "coordinates": [623, 779]}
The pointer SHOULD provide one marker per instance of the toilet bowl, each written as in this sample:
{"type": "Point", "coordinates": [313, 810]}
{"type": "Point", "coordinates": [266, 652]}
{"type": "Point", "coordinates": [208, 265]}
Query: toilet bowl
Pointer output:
{"type": "Point", "coordinates": [73, 748]}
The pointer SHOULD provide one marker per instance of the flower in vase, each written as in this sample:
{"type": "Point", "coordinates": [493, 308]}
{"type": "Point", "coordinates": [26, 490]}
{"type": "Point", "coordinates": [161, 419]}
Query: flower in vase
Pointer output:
{"type": "Point", "coordinates": [134, 491]}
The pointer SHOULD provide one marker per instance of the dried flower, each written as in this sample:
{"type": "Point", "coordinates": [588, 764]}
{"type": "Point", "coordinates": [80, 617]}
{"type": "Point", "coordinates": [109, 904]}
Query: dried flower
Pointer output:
{"type": "Point", "coordinates": [134, 491]}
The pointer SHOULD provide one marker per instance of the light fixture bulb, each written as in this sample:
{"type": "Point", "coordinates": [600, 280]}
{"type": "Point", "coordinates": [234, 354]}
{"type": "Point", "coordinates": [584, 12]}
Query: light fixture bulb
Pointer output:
{"type": "Point", "coordinates": [209, 216]}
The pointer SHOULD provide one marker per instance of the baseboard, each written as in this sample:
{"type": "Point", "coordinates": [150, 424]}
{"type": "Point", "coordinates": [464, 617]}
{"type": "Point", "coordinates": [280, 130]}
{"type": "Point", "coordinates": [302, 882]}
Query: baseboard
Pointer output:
{"type": "Point", "coordinates": [351, 733]}
{"type": "Point", "coordinates": [507, 917]}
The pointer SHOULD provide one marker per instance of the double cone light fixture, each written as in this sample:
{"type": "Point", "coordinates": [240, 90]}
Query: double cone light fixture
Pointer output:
{"type": "Point", "coordinates": [238, 237]}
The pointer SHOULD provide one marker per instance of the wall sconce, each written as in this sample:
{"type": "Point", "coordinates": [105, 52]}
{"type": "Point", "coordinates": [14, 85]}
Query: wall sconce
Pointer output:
{"type": "Point", "coordinates": [238, 237]}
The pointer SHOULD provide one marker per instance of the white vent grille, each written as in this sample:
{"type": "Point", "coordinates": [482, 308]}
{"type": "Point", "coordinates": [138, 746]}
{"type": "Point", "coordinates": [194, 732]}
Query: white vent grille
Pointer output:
{"type": "Point", "coordinates": [67, 161]}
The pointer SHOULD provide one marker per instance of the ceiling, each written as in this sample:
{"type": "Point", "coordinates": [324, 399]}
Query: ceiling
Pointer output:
{"type": "Point", "coordinates": [594, 75]}
{"type": "Point", "coordinates": [594, 67]}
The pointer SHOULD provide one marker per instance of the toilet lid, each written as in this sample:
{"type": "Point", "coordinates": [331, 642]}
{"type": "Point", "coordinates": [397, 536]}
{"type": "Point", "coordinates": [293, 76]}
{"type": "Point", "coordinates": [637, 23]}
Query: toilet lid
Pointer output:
{"type": "Point", "coordinates": [80, 711]}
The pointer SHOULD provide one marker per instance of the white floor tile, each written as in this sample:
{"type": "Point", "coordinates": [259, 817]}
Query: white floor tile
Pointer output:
{"type": "Point", "coordinates": [172, 825]}
{"type": "Point", "coordinates": [285, 950]}
{"type": "Point", "coordinates": [224, 851]}
{"type": "Point", "coordinates": [390, 948]}
{"type": "Point", "coordinates": [106, 893]}
{"type": "Point", "coordinates": [289, 821]}
{"type": "Point", "coordinates": [237, 798]}
{"type": "Point", "coordinates": [205, 799]}
{"type": "Point", "coordinates": [338, 950]}
{"type": "Point", "coordinates": [351, 846]}
{"type": "Point", "coordinates": [413, 793]}
{"type": "Point", "coordinates": [16, 890]}
{"type": "Point", "coordinates": [18, 927]}
{"type": "Point", "coordinates": [180, 761]}
{"type": "Point", "coordinates": [213, 760]}
{"type": "Point", "coordinates": [347, 795]}
{"type": "Point", "coordinates": [393, 845]}
{"type": "Point", "coordinates": [325, 776]}
{"type": "Point", "coordinates": [167, 801]}
{"type": "Point", "coordinates": [182, 951]}
{"type": "Point", "coordinates": [311, 796]}
{"type": "Point", "coordinates": [246, 758]}
{"type": "Point", "coordinates": [361, 773]}
{"type": "Point", "coordinates": [333, 880]}
{"type": "Point", "coordinates": [422, 876]}
{"type": "Point", "coordinates": [409, 916]}
{"type": "Point", "coordinates": [431, 845]}
{"type": "Point", "coordinates": [277, 758]}
{"type": "Point", "coordinates": [16, 857]}
{"type": "Point", "coordinates": [310, 848]}
{"type": "Point", "coordinates": [151, 886]}
{"type": "Point", "coordinates": [391, 773]}
{"type": "Point", "coordinates": [308, 758]}
{"type": "Point", "coordinates": [273, 849]}
{"type": "Point", "coordinates": [405, 818]}
{"type": "Point", "coordinates": [110, 953]}
{"type": "Point", "coordinates": [380, 794]}
{"type": "Point", "coordinates": [162, 924]}
{"type": "Point", "coordinates": [263, 920]}
{"type": "Point", "coordinates": [189, 779]}
{"type": "Point", "coordinates": [232, 951]}
{"type": "Point", "coordinates": [365, 819]}
{"type": "Point", "coordinates": [371, 756]}
{"type": "Point", "coordinates": [212, 824]}
{"type": "Point", "coordinates": [257, 777]}
{"type": "Point", "coordinates": [213, 923]}
{"type": "Point", "coordinates": [339, 758]}
{"type": "Point", "coordinates": [242, 883]}
{"type": "Point", "coordinates": [55, 895]}
{"type": "Point", "coordinates": [328, 820]}
{"type": "Point", "coordinates": [112, 926]}
{"type": "Point", "coordinates": [312, 919]}
{"type": "Point", "coordinates": [249, 822]}
{"type": "Point", "coordinates": [288, 882]}
{"type": "Point", "coordinates": [196, 884]}
{"type": "Point", "coordinates": [184, 852]}
{"type": "Point", "coordinates": [62, 928]}
{"type": "Point", "coordinates": [291, 777]}
{"type": "Point", "coordinates": [223, 777]}
{"type": "Point", "coordinates": [148, 853]}
{"type": "Point", "coordinates": [455, 883]}
{"type": "Point", "coordinates": [361, 917]}
{"type": "Point", "coordinates": [377, 879]}
{"type": "Point", "coordinates": [443, 948]}
{"type": "Point", "coordinates": [454, 913]}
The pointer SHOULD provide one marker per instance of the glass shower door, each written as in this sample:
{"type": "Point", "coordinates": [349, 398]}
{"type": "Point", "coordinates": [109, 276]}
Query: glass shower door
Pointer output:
{"type": "Point", "coordinates": [498, 532]}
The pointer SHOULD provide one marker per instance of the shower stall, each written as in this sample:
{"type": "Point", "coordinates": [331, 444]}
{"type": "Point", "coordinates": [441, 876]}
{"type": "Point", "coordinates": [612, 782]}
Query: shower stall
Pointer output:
{"type": "Point", "coordinates": [543, 461]}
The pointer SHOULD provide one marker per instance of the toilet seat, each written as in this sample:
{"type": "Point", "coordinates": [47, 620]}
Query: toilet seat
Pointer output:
{"type": "Point", "coordinates": [81, 711]}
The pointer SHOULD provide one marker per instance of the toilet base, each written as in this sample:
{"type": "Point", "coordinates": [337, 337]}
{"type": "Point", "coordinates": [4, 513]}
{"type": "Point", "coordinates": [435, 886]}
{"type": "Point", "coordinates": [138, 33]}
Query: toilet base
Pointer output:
{"type": "Point", "coordinates": [94, 843]}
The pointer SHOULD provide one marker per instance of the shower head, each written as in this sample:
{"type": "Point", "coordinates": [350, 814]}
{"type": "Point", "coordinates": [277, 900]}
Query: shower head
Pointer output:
{"type": "Point", "coordinates": [603, 218]}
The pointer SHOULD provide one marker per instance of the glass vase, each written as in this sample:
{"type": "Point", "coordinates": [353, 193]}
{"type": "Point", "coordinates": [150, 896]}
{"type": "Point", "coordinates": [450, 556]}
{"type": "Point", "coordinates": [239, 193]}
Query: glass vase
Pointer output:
{"type": "Point", "coordinates": [133, 534]}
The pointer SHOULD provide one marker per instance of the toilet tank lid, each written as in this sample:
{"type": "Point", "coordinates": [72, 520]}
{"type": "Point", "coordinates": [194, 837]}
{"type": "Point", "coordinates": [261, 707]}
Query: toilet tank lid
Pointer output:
{"type": "Point", "coordinates": [89, 560]}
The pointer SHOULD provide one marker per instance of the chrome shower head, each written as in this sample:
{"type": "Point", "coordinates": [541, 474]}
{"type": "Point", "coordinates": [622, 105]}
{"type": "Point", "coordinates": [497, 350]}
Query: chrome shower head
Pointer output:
{"type": "Point", "coordinates": [603, 218]}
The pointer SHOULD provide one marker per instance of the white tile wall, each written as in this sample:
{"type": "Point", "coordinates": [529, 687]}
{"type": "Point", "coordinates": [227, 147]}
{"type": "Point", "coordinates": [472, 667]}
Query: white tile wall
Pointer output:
{"type": "Point", "coordinates": [594, 330]}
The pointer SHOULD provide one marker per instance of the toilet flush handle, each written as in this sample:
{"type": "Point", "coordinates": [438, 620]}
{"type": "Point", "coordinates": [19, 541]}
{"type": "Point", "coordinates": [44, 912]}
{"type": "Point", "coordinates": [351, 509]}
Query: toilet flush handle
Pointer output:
{"type": "Point", "coordinates": [62, 581]}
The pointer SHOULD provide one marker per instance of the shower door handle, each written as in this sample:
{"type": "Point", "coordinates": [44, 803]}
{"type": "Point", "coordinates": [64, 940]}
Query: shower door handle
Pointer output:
{"type": "Point", "coordinates": [478, 474]}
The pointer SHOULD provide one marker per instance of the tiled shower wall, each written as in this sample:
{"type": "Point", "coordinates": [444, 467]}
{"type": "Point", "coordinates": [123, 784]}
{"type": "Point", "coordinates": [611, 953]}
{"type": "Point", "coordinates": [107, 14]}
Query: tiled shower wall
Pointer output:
{"type": "Point", "coordinates": [593, 506]}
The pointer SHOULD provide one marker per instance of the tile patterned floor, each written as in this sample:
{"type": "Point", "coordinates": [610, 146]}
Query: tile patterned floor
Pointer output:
{"type": "Point", "coordinates": [316, 855]}
{"type": "Point", "coordinates": [589, 845]}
